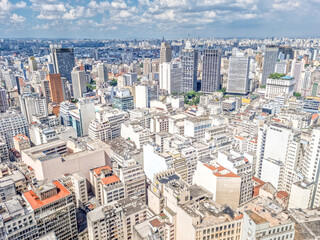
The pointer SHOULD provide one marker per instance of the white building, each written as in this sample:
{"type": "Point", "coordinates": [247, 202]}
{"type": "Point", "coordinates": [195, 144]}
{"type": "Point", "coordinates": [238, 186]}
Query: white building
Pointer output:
{"type": "Point", "coordinates": [136, 133]}
{"type": "Point", "coordinates": [79, 83]}
{"type": "Point", "coordinates": [238, 76]}
{"type": "Point", "coordinates": [170, 77]}
{"type": "Point", "coordinates": [280, 87]}
{"type": "Point", "coordinates": [33, 106]}
{"type": "Point", "coordinates": [195, 126]}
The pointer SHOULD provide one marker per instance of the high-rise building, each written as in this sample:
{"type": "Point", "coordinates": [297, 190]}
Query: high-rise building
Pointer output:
{"type": "Point", "coordinates": [123, 100]}
{"type": "Point", "coordinates": [63, 61]}
{"type": "Point", "coordinates": [238, 77]}
{"type": "Point", "coordinates": [33, 105]}
{"type": "Point", "coordinates": [211, 70]}
{"type": "Point", "coordinates": [9, 79]}
{"type": "Point", "coordinates": [12, 124]}
{"type": "Point", "coordinates": [170, 77]}
{"type": "Point", "coordinates": [79, 83]}
{"type": "Point", "coordinates": [272, 55]}
{"type": "Point", "coordinates": [296, 72]}
{"type": "Point", "coordinates": [54, 209]}
{"type": "Point", "coordinates": [147, 66]}
{"type": "Point", "coordinates": [45, 90]}
{"type": "Point", "coordinates": [56, 87]}
{"type": "Point", "coordinates": [144, 93]}
{"type": "Point", "coordinates": [189, 62]}
{"type": "Point", "coordinates": [32, 64]}
{"type": "Point", "coordinates": [102, 73]}
{"type": "Point", "coordinates": [165, 52]}
{"type": "Point", "coordinates": [4, 106]}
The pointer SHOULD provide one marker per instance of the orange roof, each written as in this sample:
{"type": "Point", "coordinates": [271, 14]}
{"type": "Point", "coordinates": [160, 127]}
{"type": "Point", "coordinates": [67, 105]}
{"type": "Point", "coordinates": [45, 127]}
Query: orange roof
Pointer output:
{"type": "Point", "coordinates": [98, 170]}
{"type": "Point", "coordinates": [238, 217]}
{"type": "Point", "coordinates": [282, 194]}
{"type": "Point", "coordinates": [20, 136]}
{"type": "Point", "coordinates": [219, 173]}
{"type": "Point", "coordinates": [258, 180]}
{"type": "Point", "coordinates": [276, 119]}
{"type": "Point", "coordinates": [35, 201]}
{"type": "Point", "coordinates": [314, 116]}
{"type": "Point", "coordinates": [241, 138]}
{"type": "Point", "coordinates": [155, 223]}
{"type": "Point", "coordinates": [263, 114]}
{"type": "Point", "coordinates": [109, 180]}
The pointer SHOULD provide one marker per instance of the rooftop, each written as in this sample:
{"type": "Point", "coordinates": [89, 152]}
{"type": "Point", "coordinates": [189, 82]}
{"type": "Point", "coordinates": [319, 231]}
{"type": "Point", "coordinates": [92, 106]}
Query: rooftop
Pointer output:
{"type": "Point", "coordinates": [35, 201]}
{"type": "Point", "coordinates": [109, 180]}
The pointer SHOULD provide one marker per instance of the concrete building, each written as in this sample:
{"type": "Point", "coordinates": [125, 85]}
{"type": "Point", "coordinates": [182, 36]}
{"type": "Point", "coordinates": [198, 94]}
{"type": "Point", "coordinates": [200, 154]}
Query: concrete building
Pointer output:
{"type": "Point", "coordinates": [4, 106]}
{"type": "Point", "coordinates": [170, 76]}
{"type": "Point", "coordinates": [238, 76]}
{"type": "Point", "coordinates": [32, 64]}
{"type": "Point", "coordinates": [123, 100]}
{"type": "Point", "coordinates": [165, 52]}
{"type": "Point", "coordinates": [145, 93]}
{"type": "Point", "coordinates": [79, 83]}
{"type": "Point", "coordinates": [264, 219]}
{"type": "Point", "coordinates": [189, 62]}
{"type": "Point", "coordinates": [53, 208]}
{"type": "Point", "coordinates": [195, 126]}
{"type": "Point", "coordinates": [12, 124]}
{"type": "Point", "coordinates": [136, 133]}
{"type": "Point", "coordinates": [116, 220]}
{"type": "Point", "coordinates": [33, 105]}
{"type": "Point", "coordinates": [102, 73]}
{"type": "Point", "coordinates": [107, 124]}
{"type": "Point", "coordinates": [52, 160]}
{"type": "Point", "coordinates": [64, 112]}
{"type": "Point", "coordinates": [21, 142]}
{"type": "Point", "coordinates": [210, 81]}
{"type": "Point", "coordinates": [280, 87]}
{"type": "Point", "coordinates": [221, 182]}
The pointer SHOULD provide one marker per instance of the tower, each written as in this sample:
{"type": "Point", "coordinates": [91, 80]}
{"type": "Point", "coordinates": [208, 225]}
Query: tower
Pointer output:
{"type": "Point", "coordinates": [238, 77]}
{"type": "Point", "coordinates": [211, 70]}
{"type": "Point", "coordinates": [165, 52]}
{"type": "Point", "coordinates": [56, 87]}
{"type": "Point", "coordinates": [63, 61]}
{"type": "Point", "coordinates": [189, 62]}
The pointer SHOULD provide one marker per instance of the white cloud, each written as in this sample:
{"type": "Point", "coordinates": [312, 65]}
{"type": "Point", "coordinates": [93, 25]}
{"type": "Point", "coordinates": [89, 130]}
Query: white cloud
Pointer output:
{"type": "Point", "coordinates": [118, 4]}
{"type": "Point", "coordinates": [17, 19]}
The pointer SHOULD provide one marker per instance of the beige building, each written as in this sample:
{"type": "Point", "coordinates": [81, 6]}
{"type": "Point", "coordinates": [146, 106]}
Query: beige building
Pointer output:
{"type": "Point", "coordinates": [54, 209]}
{"type": "Point", "coordinates": [52, 160]}
{"type": "Point", "coordinates": [21, 142]}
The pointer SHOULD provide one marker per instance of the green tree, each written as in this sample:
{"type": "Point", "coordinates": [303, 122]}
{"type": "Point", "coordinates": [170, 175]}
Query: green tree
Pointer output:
{"type": "Point", "coordinates": [297, 94]}
{"type": "Point", "coordinates": [276, 75]}
{"type": "Point", "coordinates": [114, 82]}
{"type": "Point", "coordinates": [263, 86]}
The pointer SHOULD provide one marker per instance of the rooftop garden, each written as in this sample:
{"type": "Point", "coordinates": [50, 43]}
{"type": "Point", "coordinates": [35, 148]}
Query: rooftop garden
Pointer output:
{"type": "Point", "coordinates": [276, 75]}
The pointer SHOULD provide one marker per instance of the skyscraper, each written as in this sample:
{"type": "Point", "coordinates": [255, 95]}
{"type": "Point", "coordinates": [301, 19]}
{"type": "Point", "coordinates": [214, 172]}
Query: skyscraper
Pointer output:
{"type": "Point", "coordinates": [271, 56]}
{"type": "Point", "coordinates": [238, 77]}
{"type": "Point", "coordinates": [3, 100]}
{"type": "Point", "coordinates": [165, 52]}
{"type": "Point", "coordinates": [189, 62]}
{"type": "Point", "coordinates": [33, 105]}
{"type": "Point", "coordinates": [32, 64]}
{"type": "Point", "coordinates": [79, 83]}
{"type": "Point", "coordinates": [211, 70]}
{"type": "Point", "coordinates": [56, 88]}
{"type": "Point", "coordinates": [170, 77]}
{"type": "Point", "coordinates": [102, 73]}
{"type": "Point", "coordinates": [63, 61]}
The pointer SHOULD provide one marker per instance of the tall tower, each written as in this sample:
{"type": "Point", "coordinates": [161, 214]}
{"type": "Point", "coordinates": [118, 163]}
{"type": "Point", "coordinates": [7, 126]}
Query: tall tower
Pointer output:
{"type": "Point", "coordinates": [3, 100]}
{"type": "Point", "coordinates": [238, 77]}
{"type": "Point", "coordinates": [63, 61]}
{"type": "Point", "coordinates": [102, 73]}
{"type": "Point", "coordinates": [211, 70]}
{"type": "Point", "coordinates": [56, 87]}
{"type": "Point", "coordinates": [269, 64]}
{"type": "Point", "coordinates": [79, 84]}
{"type": "Point", "coordinates": [32, 64]}
{"type": "Point", "coordinates": [189, 62]}
{"type": "Point", "coordinates": [165, 52]}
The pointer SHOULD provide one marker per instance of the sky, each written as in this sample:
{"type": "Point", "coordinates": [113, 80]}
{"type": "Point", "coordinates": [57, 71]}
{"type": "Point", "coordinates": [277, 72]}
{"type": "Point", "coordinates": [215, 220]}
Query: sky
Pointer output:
{"type": "Point", "coordinates": [114, 19]}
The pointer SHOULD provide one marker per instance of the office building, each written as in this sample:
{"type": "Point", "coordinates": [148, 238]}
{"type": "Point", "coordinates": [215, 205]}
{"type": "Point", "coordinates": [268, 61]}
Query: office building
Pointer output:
{"type": "Point", "coordinates": [123, 100]}
{"type": "Point", "coordinates": [12, 124]}
{"type": "Point", "coordinates": [79, 83]}
{"type": "Point", "coordinates": [107, 124]}
{"type": "Point", "coordinates": [283, 87]}
{"type": "Point", "coordinates": [45, 90]}
{"type": "Point", "coordinates": [53, 208]}
{"type": "Point", "coordinates": [165, 52]}
{"type": "Point", "coordinates": [170, 77]}
{"type": "Point", "coordinates": [238, 77]}
{"type": "Point", "coordinates": [210, 81]}
{"type": "Point", "coordinates": [296, 72]}
{"type": "Point", "coordinates": [102, 73]}
{"type": "Point", "coordinates": [63, 61]}
{"type": "Point", "coordinates": [189, 63]}
{"type": "Point", "coordinates": [145, 93]}
{"type": "Point", "coordinates": [33, 105]}
{"type": "Point", "coordinates": [56, 86]}
{"type": "Point", "coordinates": [271, 56]}
{"type": "Point", "coordinates": [116, 220]}
{"type": "Point", "coordinates": [4, 106]}
{"type": "Point", "coordinates": [21, 142]}
{"type": "Point", "coordinates": [32, 64]}
{"type": "Point", "coordinates": [64, 112]}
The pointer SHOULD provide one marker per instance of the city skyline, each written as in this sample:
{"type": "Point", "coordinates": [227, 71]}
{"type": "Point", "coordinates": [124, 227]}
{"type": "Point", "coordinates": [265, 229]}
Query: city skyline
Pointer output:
{"type": "Point", "coordinates": [154, 19]}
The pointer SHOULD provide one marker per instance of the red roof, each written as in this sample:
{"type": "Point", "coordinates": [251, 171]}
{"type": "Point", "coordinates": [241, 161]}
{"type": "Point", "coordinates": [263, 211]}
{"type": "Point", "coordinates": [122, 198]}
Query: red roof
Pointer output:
{"type": "Point", "coordinates": [282, 194]}
{"type": "Point", "coordinates": [241, 138]}
{"type": "Point", "coordinates": [238, 217]}
{"type": "Point", "coordinates": [35, 201]}
{"type": "Point", "coordinates": [314, 116]}
{"type": "Point", "coordinates": [109, 180]}
{"type": "Point", "coordinates": [258, 180]}
{"type": "Point", "coordinates": [98, 170]}
{"type": "Point", "coordinates": [219, 173]}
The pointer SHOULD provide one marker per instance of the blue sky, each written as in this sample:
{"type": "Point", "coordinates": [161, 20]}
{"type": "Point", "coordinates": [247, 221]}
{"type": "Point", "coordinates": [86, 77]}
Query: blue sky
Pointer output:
{"type": "Point", "coordinates": [157, 18]}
